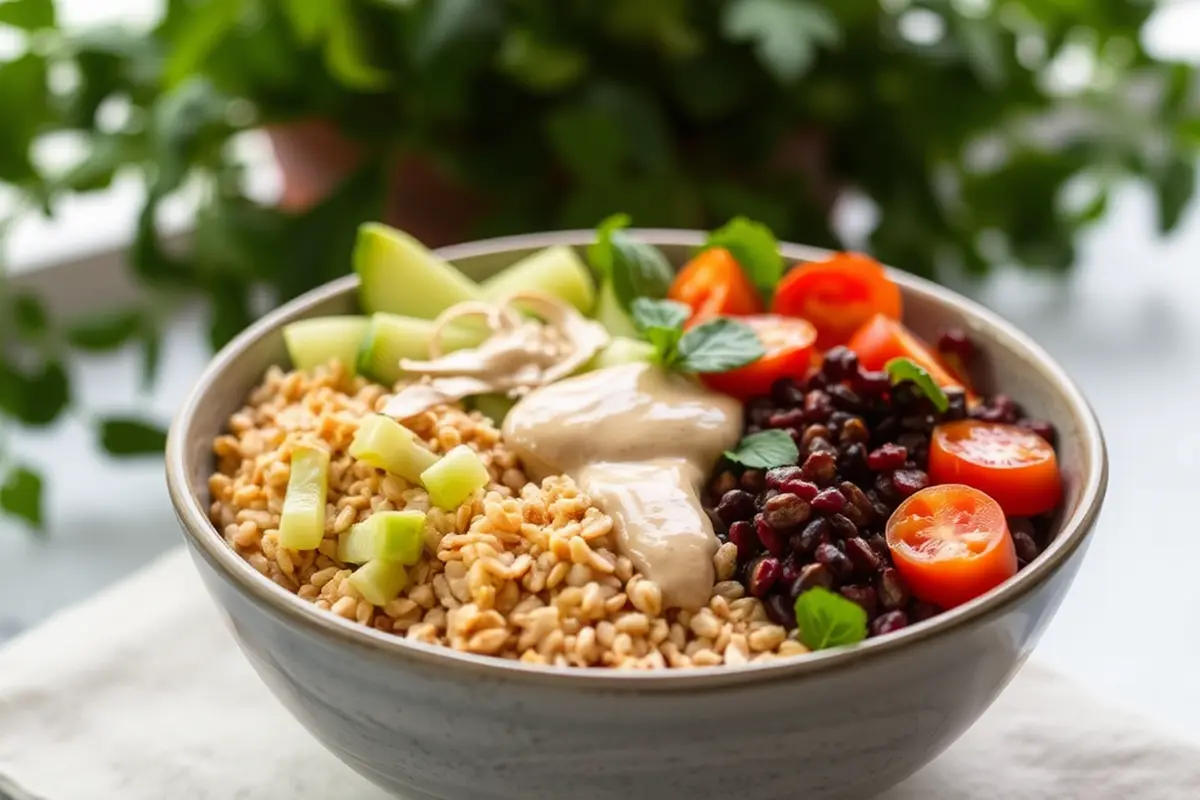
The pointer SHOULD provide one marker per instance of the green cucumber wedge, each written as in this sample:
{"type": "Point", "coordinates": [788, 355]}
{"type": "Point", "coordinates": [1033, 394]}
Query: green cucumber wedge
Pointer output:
{"type": "Point", "coordinates": [493, 406]}
{"type": "Point", "coordinates": [315, 342]}
{"type": "Point", "coordinates": [379, 582]}
{"type": "Point", "coordinates": [400, 275]}
{"type": "Point", "coordinates": [302, 521]}
{"type": "Point", "coordinates": [556, 271]}
{"type": "Point", "coordinates": [455, 478]}
{"type": "Point", "coordinates": [388, 535]}
{"type": "Point", "coordinates": [610, 314]}
{"type": "Point", "coordinates": [385, 444]}
{"type": "Point", "coordinates": [621, 350]}
{"type": "Point", "coordinates": [390, 337]}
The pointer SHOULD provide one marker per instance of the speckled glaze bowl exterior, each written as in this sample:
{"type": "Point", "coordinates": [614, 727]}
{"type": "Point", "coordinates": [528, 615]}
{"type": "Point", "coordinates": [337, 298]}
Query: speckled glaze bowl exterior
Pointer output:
{"type": "Point", "coordinates": [427, 722]}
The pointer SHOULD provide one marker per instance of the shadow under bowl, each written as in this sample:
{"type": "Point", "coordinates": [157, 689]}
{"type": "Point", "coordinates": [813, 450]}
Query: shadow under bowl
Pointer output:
{"type": "Point", "coordinates": [429, 722]}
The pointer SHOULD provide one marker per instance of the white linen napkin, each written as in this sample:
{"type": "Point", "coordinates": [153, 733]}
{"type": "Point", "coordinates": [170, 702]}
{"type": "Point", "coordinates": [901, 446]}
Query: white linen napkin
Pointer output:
{"type": "Point", "coordinates": [141, 694]}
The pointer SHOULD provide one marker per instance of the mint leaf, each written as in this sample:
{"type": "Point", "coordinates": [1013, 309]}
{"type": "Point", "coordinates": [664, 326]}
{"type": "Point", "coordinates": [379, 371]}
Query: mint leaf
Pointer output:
{"type": "Point", "coordinates": [719, 345]}
{"type": "Point", "coordinates": [105, 332]}
{"type": "Point", "coordinates": [636, 269]}
{"type": "Point", "coordinates": [131, 437]}
{"type": "Point", "coordinates": [21, 496]}
{"type": "Point", "coordinates": [785, 33]}
{"type": "Point", "coordinates": [649, 313]}
{"type": "Point", "coordinates": [765, 449]}
{"type": "Point", "coordinates": [905, 369]}
{"type": "Point", "coordinates": [754, 248]}
{"type": "Point", "coordinates": [829, 620]}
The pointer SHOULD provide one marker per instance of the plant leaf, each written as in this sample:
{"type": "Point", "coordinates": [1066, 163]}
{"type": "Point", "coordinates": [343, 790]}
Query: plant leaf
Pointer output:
{"type": "Point", "coordinates": [125, 437]}
{"type": "Point", "coordinates": [541, 65]}
{"type": "Point", "coordinates": [207, 24]}
{"type": "Point", "coordinates": [600, 252]}
{"type": "Point", "coordinates": [785, 33]}
{"type": "Point", "coordinates": [829, 620]}
{"type": "Point", "coordinates": [21, 496]}
{"type": "Point", "coordinates": [765, 449]}
{"type": "Point", "coordinates": [648, 313]}
{"type": "Point", "coordinates": [346, 55]}
{"type": "Point", "coordinates": [719, 345]}
{"type": "Point", "coordinates": [103, 333]}
{"type": "Point", "coordinates": [755, 249]}
{"type": "Point", "coordinates": [29, 15]}
{"type": "Point", "coordinates": [905, 369]}
{"type": "Point", "coordinates": [1174, 189]}
{"type": "Point", "coordinates": [30, 316]}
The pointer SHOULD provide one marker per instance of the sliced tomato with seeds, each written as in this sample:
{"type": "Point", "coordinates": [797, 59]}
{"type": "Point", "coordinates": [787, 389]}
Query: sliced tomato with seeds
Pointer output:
{"type": "Point", "coordinates": [713, 284]}
{"type": "Point", "coordinates": [1015, 466]}
{"type": "Point", "coordinates": [789, 353]}
{"type": "Point", "coordinates": [882, 338]}
{"type": "Point", "coordinates": [951, 543]}
{"type": "Point", "coordinates": [837, 295]}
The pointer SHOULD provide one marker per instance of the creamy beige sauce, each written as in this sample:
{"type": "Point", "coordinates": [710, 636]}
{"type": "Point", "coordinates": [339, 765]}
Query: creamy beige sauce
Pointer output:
{"type": "Point", "coordinates": [520, 353]}
{"type": "Point", "coordinates": [639, 441]}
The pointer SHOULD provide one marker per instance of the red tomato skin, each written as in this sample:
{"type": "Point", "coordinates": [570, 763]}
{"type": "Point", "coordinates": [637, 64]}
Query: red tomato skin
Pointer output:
{"type": "Point", "coordinates": [1022, 491]}
{"type": "Point", "coordinates": [837, 295]}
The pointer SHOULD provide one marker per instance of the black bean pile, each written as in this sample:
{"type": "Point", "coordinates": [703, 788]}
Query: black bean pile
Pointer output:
{"type": "Point", "coordinates": [864, 446]}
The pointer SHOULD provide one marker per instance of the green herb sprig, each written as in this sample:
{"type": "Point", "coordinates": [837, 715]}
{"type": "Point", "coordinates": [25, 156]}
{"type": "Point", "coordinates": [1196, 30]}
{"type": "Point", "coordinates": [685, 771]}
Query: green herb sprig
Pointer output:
{"type": "Point", "coordinates": [829, 620]}
{"type": "Point", "coordinates": [765, 450]}
{"type": "Point", "coordinates": [717, 345]}
{"type": "Point", "coordinates": [905, 369]}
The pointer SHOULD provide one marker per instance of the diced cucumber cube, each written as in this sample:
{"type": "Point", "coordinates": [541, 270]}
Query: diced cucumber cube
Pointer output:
{"type": "Point", "coordinates": [315, 342]}
{"type": "Point", "coordinates": [386, 444]}
{"type": "Point", "coordinates": [389, 338]}
{"type": "Point", "coordinates": [622, 350]}
{"type": "Point", "coordinates": [302, 523]}
{"type": "Point", "coordinates": [387, 535]}
{"type": "Point", "coordinates": [379, 582]}
{"type": "Point", "coordinates": [556, 271]}
{"type": "Point", "coordinates": [455, 478]}
{"type": "Point", "coordinates": [400, 275]}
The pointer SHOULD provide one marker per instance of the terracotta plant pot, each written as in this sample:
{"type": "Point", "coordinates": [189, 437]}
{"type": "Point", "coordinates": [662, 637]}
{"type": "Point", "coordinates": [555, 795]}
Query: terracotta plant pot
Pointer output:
{"type": "Point", "coordinates": [422, 199]}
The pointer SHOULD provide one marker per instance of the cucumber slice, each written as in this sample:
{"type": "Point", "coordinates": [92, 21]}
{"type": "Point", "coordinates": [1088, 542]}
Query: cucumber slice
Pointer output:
{"type": "Point", "coordinates": [390, 337]}
{"type": "Point", "coordinates": [622, 350]}
{"type": "Point", "coordinates": [400, 275]}
{"type": "Point", "coordinates": [388, 535]}
{"type": "Point", "coordinates": [556, 271]}
{"type": "Point", "coordinates": [386, 444]}
{"type": "Point", "coordinates": [610, 314]}
{"type": "Point", "coordinates": [493, 406]}
{"type": "Point", "coordinates": [454, 478]}
{"type": "Point", "coordinates": [379, 582]}
{"type": "Point", "coordinates": [315, 342]}
{"type": "Point", "coordinates": [302, 523]}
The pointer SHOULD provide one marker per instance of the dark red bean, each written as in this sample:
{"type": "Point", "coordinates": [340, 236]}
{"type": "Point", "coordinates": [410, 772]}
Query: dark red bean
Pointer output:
{"type": "Point", "coordinates": [920, 611]}
{"type": "Point", "coordinates": [786, 511]}
{"type": "Point", "coordinates": [725, 482]}
{"type": "Point", "coordinates": [805, 490]}
{"type": "Point", "coordinates": [1027, 549]}
{"type": "Point", "coordinates": [955, 342]}
{"type": "Point", "coordinates": [759, 409]}
{"type": "Point", "coordinates": [839, 364]}
{"type": "Point", "coordinates": [879, 545]}
{"type": "Point", "coordinates": [837, 562]}
{"type": "Point", "coordinates": [1039, 426]}
{"type": "Point", "coordinates": [863, 595]}
{"type": "Point", "coordinates": [956, 404]}
{"type": "Point", "coordinates": [744, 539]}
{"type": "Point", "coordinates": [820, 467]}
{"type": "Point", "coordinates": [817, 406]}
{"type": "Point", "coordinates": [852, 462]}
{"type": "Point", "coordinates": [854, 430]}
{"type": "Point", "coordinates": [844, 398]}
{"type": "Point", "coordinates": [777, 476]}
{"type": "Point", "coordinates": [813, 432]}
{"type": "Point", "coordinates": [871, 383]}
{"type": "Point", "coordinates": [891, 589]}
{"type": "Point", "coordinates": [790, 571]}
{"type": "Point", "coordinates": [770, 538]}
{"type": "Point", "coordinates": [822, 445]}
{"type": "Point", "coordinates": [861, 555]}
{"type": "Point", "coordinates": [841, 527]}
{"type": "Point", "coordinates": [789, 418]}
{"type": "Point", "coordinates": [735, 505]}
{"type": "Point", "coordinates": [889, 622]}
{"type": "Point", "coordinates": [786, 392]}
{"type": "Point", "coordinates": [780, 611]}
{"type": "Point", "coordinates": [909, 481]}
{"type": "Point", "coordinates": [762, 575]}
{"type": "Point", "coordinates": [753, 481]}
{"type": "Point", "coordinates": [813, 534]}
{"type": "Point", "coordinates": [829, 501]}
{"type": "Point", "coordinates": [919, 423]}
{"type": "Point", "coordinates": [886, 457]}
{"type": "Point", "coordinates": [811, 576]}
{"type": "Point", "coordinates": [858, 505]}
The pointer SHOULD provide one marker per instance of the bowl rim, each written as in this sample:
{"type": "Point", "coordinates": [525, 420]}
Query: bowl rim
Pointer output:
{"type": "Point", "coordinates": [208, 543]}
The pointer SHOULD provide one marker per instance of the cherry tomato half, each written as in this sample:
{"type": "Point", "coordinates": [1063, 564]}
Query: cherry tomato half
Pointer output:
{"type": "Point", "coordinates": [714, 285]}
{"type": "Point", "coordinates": [1016, 467]}
{"type": "Point", "coordinates": [951, 544]}
{"type": "Point", "coordinates": [837, 295]}
{"type": "Point", "coordinates": [882, 338]}
{"type": "Point", "coordinates": [789, 346]}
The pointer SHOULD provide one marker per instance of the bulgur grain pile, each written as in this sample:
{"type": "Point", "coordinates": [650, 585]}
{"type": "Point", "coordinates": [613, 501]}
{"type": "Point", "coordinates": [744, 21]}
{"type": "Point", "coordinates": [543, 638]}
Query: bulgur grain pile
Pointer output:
{"type": "Point", "coordinates": [520, 571]}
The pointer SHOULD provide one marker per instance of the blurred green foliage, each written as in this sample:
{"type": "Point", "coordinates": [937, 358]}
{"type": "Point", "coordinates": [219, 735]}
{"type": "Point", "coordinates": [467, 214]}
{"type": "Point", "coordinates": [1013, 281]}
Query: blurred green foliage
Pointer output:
{"type": "Point", "coordinates": [678, 112]}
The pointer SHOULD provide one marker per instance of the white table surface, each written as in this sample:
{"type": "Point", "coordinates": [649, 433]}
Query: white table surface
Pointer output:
{"type": "Point", "coordinates": [1125, 327]}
